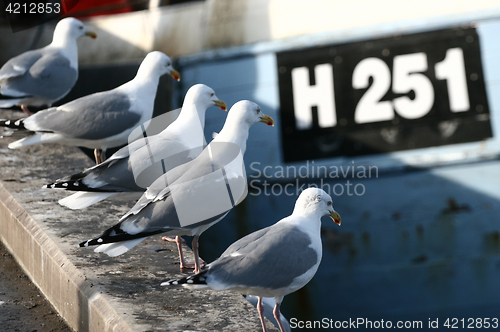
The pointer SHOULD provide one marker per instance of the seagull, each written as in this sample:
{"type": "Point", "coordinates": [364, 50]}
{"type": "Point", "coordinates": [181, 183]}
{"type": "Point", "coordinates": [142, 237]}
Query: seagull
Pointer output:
{"type": "Point", "coordinates": [190, 198]}
{"type": "Point", "coordinates": [43, 76]}
{"type": "Point", "coordinates": [101, 120]}
{"type": "Point", "coordinates": [274, 261]}
{"type": "Point", "coordinates": [133, 168]}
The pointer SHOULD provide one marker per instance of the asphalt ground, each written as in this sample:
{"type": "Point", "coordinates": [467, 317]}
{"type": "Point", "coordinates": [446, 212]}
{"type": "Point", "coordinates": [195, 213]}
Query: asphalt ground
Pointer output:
{"type": "Point", "coordinates": [22, 306]}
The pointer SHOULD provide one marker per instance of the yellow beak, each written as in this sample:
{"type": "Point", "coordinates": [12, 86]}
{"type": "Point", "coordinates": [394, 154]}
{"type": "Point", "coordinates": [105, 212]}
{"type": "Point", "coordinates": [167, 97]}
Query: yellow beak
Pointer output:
{"type": "Point", "coordinates": [267, 120]}
{"type": "Point", "coordinates": [222, 105]}
{"type": "Point", "coordinates": [91, 34]}
{"type": "Point", "coordinates": [335, 217]}
{"type": "Point", "coordinates": [175, 74]}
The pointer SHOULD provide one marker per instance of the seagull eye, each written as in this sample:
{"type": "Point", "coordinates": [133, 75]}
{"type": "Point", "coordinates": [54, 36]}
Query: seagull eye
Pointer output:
{"type": "Point", "coordinates": [80, 27]}
{"type": "Point", "coordinates": [211, 95]}
{"type": "Point", "coordinates": [329, 203]}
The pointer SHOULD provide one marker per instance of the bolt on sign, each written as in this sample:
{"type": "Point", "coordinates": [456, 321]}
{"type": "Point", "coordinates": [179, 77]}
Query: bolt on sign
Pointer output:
{"type": "Point", "coordinates": [392, 94]}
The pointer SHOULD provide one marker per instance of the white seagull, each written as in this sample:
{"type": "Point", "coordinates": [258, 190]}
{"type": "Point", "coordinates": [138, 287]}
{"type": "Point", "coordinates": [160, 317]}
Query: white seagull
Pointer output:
{"type": "Point", "coordinates": [43, 76]}
{"type": "Point", "coordinates": [190, 198]}
{"type": "Point", "coordinates": [274, 261]}
{"type": "Point", "coordinates": [101, 120]}
{"type": "Point", "coordinates": [133, 168]}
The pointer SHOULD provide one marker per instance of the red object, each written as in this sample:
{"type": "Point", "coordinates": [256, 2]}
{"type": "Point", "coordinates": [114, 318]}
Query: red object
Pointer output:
{"type": "Point", "coordinates": [89, 8]}
{"type": "Point", "coordinates": [67, 5]}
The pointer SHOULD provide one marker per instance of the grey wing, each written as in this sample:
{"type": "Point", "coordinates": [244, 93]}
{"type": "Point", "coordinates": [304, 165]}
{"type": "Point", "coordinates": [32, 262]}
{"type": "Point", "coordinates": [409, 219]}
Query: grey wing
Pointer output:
{"type": "Point", "coordinates": [156, 191]}
{"type": "Point", "coordinates": [19, 65]}
{"type": "Point", "coordinates": [182, 175]}
{"type": "Point", "coordinates": [115, 177]}
{"type": "Point", "coordinates": [245, 241]}
{"type": "Point", "coordinates": [115, 173]}
{"type": "Point", "coordinates": [272, 260]}
{"type": "Point", "coordinates": [151, 218]}
{"type": "Point", "coordinates": [157, 156]}
{"type": "Point", "coordinates": [168, 203]}
{"type": "Point", "coordinates": [136, 166]}
{"type": "Point", "coordinates": [96, 116]}
{"type": "Point", "coordinates": [161, 216]}
{"type": "Point", "coordinates": [213, 164]}
{"type": "Point", "coordinates": [126, 151]}
{"type": "Point", "coordinates": [51, 77]}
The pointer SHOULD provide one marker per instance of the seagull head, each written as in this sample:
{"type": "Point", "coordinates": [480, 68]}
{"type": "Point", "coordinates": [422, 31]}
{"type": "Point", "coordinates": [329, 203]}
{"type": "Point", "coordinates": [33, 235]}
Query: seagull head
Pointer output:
{"type": "Point", "coordinates": [203, 96]}
{"type": "Point", "coordinates": [160, 64]}
{"type": "Point", "coordinates": [248, 112]}
{"type": "Point", "coordinates": [240, 118]}
{"type": "Point", "coordinates": [315, 201]}
{"type": "Point", "coordinates": [72, 28]}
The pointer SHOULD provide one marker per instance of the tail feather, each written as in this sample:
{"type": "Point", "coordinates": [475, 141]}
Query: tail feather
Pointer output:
{"type": "Point", "coordinates": [197, 281]}
{"type": "Point", "coordinates": [83, 199]}
{"type": "Point", "coordinates": [13, 124]}
{"type": "Point", "coordinates": [36, 139]}
{"type": "Point", "coordinates": [118, 248]}
{"type": "Point", "coordinates": [30, 140]}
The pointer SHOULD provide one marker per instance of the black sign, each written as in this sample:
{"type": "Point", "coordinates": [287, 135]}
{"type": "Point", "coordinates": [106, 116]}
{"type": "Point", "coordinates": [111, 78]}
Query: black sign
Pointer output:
{"type": "Point", "coordinates": [378, 96]}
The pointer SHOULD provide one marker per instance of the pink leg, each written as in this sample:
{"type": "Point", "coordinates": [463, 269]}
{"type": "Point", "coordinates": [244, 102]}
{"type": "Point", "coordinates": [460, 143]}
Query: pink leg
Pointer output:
{"type": "Point", "coordinates": [97, 156]}
{"type": "Point", "coordinates": [276, 313]}
{"type": "Point", "coordinates": [184, 265]}
{"type": "Point", "coordinates": [172, 239]}
{"type": "Point", "coordinates": [26, 110]}
{"type": "Point", "coordinates": [100, 156]}
{"type": "Point", "coordinates": [260, 309]}
{"type": "Point", "coordinates": [197, 266]}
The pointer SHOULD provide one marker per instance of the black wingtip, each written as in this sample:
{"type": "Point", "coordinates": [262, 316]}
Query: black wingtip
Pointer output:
{"type": "Point", "coordinates": [116, 234]}
{"type": "Point", "coordinates": [84, 244]}
{"type": "Point", "coordinates": [92, 242]}
{"type": "Point", "coordinates": [49, 186]}
{"type": "Point", "coordinates": [72, 183]}
{"type": "Point", "coordinates": [67, 185]}
{"type": "Point", "coordinates": [13, 124]}
{"type": "Point", "coordinates": [197, 279]}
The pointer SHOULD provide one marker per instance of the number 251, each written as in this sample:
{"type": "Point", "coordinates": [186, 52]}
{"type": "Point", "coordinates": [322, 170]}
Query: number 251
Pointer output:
{"type": "Point", "coordinates": [408, 76]}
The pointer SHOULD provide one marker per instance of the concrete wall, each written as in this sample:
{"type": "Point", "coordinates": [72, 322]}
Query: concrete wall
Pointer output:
{"type": "Point", "coordinates": [212, 24]}
{"type": "Point", "coordinates": [205, 25]}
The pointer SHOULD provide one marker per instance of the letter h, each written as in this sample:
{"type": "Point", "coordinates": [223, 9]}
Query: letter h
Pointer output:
{"type": "Point", "coordinates": [320, 95]}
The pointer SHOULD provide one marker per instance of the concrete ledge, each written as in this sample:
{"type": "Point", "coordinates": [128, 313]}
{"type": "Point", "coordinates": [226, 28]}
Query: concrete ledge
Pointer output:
{"type": "Point", "coordinates": [91, 291]}
{"type": "Point", "coordinates": [83, 308]}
